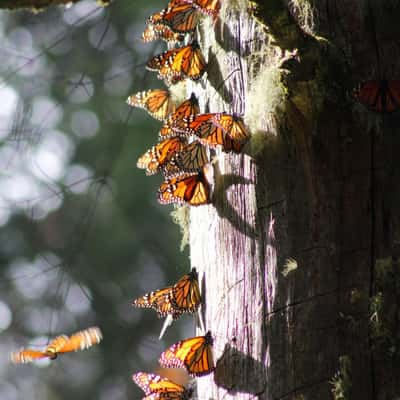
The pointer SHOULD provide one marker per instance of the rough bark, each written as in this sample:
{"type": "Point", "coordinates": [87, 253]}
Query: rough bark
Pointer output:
{"type": "Point", "coordinates": [319, 183]}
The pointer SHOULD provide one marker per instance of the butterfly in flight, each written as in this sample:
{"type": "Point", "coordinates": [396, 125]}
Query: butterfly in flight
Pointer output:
{"type": "Point", "coordinates": [180, 63]}
{"type": "Point", "coordinates": [191, 189]}
{"type": "Point", "coordinates": [156, 387]}
{"type": "Point", "coordinates": [381, 96]}
{"type": "Point", "coordinates": [61, 344]}
{"type": "Point", "coordinates": [156, 102]}
{"type": "Point", "coordinates": [184, 110]}
{"type": "Point", "coordinates": [194, 354]}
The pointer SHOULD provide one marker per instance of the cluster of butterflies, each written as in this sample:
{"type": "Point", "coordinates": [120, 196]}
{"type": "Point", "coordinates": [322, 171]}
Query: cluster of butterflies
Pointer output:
{"type": "Point", "coordinates": [194, 354]}
{"type": "Point", "coordinates": [187, 136]}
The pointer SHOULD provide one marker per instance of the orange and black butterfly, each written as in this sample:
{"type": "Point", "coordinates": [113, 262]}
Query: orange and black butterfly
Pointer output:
{"type": "Point", "coordinates": [180, 17]}
{"type": "Point", "coordinates": [160, 301]}
{"type": "Point", "coordinates": [193, 157]}
{"type": "Point", "coordinates": [182, 297]}
{"type": "Point", "coordinates": [158, 388]}
{"type": "Point", "coordinates": [379, 95]}
{"type": "Point", "coordinates": [194, 354]}
{"type": "Point", "coordinates": [156, 102]}
{"type": "Point", "coordinates": [232, 125]}
{"type": "Point", "coordinates": [177, 64]}
{"type": "Point", "coordinates": [159, 31]}
{"type": "Point", "coordinates": [186, 293]}
{"type": "Point", "coordinates": [61, 344]}
{"type": "Point", "coordinates": [211, 132]}
{"type": "Point", "coordinates": [191, 189]}
{"type": "Point", "coordinates": [162, 156]}
{"type": "Point", "coordinates": [184, 110]}
{"type": "Point", "coordinates": [208, 7]}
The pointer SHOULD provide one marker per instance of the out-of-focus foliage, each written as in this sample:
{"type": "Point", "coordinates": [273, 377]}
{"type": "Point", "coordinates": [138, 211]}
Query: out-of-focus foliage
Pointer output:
{"type": "Point", "coordinates": [81, 231]}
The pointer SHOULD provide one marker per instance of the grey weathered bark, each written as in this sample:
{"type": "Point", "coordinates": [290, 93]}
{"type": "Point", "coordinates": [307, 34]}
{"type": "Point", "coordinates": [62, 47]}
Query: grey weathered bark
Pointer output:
{"type": "Point", "coordinates": [319, 183]}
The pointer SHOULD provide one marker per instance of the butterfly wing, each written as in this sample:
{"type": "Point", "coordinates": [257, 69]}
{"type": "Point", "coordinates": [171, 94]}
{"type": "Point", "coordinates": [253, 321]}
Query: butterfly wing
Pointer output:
{"type": "Point", "coordinates": [180, 17]}
{"type": "Point", "coordinates": [191, 189]}
{"type": "Point", "coordinates": [189, 62]}
{"type": "Point", "coordinates": [159, 300]}
{"type": "Point", "coordinates": [162, 63]}
{"type": "Point", "coordinates": [194, 354]}
{"type": "Point", "coordinates": [158, 388]}
{"type": "Point", "coordinates": [157, 102]}
{"type": "Point", "coordinates": [232, 126]}
{"type": "Point", "coordinates": [79, 341]}
{"type": "Point", "coordinates": [186, 293]}
{"type": "Point", "coordinates": [192, 157]}
{"type": "Point", "coordinates": [26, 355]}
{"type": "Point", "coordinates": [186, 109]}
{"type": "Point", "coordinates": [160, 155]}
{"type": "Point", "coordinates": [393, 96]}
{"type": "Point", "coordinates": [55, 346]}
{"type": "Point", "coordinates": [159, 31]}
{"type": "Point", "coordinates": [208, 7]}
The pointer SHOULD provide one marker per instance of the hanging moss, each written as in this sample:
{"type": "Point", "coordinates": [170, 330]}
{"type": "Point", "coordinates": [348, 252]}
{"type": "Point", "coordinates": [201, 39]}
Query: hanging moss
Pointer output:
{"type": "Point", "coordinates": [341, 382]}
{"type": "Point", "coordinates": [383, 309]}
{"type": "Point", "coordinates": [181, 217]}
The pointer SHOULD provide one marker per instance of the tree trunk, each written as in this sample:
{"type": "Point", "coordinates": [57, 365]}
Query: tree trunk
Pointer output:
{"type": "Point", "coordinates": [298, 253]}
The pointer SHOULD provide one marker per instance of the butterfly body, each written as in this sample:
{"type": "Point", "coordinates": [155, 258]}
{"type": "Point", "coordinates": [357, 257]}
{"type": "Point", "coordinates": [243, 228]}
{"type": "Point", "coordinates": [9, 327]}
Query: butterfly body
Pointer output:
{"type": "Point", "coordinates": [194, 354]}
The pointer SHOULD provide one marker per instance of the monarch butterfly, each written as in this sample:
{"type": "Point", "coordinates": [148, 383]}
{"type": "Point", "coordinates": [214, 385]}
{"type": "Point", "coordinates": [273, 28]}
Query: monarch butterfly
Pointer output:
{"type": "Point", "coordinates": [182, 297]}
{"type": "Point", "coordinates": [159, 300]}
{"type": "Point", "coordinates": [208, 7]}
{"type": "Point", "coordinates": [379, 95]}
{"type": "Point", "coordinates": [177, 64]}
{"type": "Point", "coordinates": [192, 157]}
{"type": "Point", "coordinates": [186, 109]}
{"type": "Point", "coordinates": [160, 31]}
{"type": "Point", "coordinates": [61, 344]}
{"type": "Point", "coordinates": [210, 133]}
{"type": "Point", "coordinates": [232, 125]}
{"type": "Point", "coordinates": [194, 354]}
{"type": "Point", "coordinates": [180, 17]}
{"type": "Point", "coordinates": [158, 388]}
{"type": "Point", "coordinates": [161, 156]}
{"type": "Point", "coordinates": [187, 188]}
{"type": "Point", "coordinates": [156, 102]}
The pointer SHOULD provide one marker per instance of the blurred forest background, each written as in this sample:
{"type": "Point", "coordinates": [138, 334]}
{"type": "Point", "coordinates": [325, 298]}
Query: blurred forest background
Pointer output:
{"type": "Point", "coordinates": [81, 231]}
